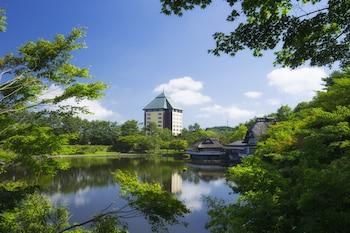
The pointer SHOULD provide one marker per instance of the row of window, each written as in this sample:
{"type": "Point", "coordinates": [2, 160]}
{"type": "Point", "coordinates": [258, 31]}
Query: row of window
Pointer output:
{"type": "Point", "coordinates": [159, 118]}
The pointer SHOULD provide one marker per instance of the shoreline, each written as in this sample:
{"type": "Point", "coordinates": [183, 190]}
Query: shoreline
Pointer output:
{"type": "Point", "coordinates": [113, 155]}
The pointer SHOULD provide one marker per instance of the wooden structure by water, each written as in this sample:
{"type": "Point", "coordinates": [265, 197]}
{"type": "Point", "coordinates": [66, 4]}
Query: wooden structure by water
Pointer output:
{"type": "Point", "coordinates": [211, 151]}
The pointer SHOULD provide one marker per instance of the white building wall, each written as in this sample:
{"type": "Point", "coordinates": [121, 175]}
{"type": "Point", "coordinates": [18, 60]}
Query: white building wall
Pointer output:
{"type": "Point", "coordinates": [177, 122]}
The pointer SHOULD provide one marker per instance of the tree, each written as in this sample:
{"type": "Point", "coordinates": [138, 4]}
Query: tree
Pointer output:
{"type": "Point", "coordinates": [238, 133]}
{"type": "Point", "coordinates": [194, 136]}
{"type": "Point", "coordinates": [99, 133]}
{"type": "Point", "coordinates": [129, 128]}
{"type": "Point", "coordinates": [126, 143]}
{"type": "Point", "coordinates": [308, 30]}
{"type": "Point", "coordinates": [40, 65]}
{"type": "Point", "coordinates": [165, 134]}
{"type": "Point", "coordinates": [194, 127]}
{"type": "Point", "coordinates": [284, 113]}
{"type": "Point", "coordinates": [152, 129]}
{"type": "Point", "coordinates": [25, 77]}
{"type": "Point", "coordinates": [147, 143]}
{"type": "Point", "coordinates": [296, 179]}
{"type": "Point", "coordinates": [178, 144]}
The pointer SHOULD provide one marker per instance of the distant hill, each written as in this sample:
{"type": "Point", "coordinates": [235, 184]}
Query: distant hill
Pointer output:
{"type": "Point", "coordinates": [220, 129]}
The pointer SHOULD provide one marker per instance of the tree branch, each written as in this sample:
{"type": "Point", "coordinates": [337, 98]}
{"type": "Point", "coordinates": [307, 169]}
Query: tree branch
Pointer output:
{"type": "Point", "coordinates": [313, 12]}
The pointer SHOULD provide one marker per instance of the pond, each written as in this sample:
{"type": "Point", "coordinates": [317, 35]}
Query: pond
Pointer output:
{"type": "Point", "coordinates": [88, 187]}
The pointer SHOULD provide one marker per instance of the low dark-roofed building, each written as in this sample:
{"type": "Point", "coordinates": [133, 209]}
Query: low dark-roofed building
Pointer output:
{"type": "Point", "coordinates": [208, 144]}
{"type": "Point", "coordinates": [258, 130]}
{"type": "Point", "coordinates": [247, 146]}
{"type": "Point", "coordinates": [209, 148]}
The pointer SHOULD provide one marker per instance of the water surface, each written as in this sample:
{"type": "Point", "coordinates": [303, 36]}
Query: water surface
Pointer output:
{"type": "Point", "coordinates": [88, 187]}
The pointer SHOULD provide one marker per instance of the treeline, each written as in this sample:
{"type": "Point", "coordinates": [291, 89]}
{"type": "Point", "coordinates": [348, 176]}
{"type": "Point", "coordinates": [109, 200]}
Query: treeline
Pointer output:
{"type": "Point", "coordinates": [129, 136]}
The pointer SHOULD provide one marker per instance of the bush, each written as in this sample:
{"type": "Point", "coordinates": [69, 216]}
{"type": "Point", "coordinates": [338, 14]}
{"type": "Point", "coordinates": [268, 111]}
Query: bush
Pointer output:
{"type": "Point", "coordinates": [178, 145]}
{"type": "Point", "coordinates": [82, 149]}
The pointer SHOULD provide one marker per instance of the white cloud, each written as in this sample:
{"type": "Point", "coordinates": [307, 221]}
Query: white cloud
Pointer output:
{"type": "Point", "coordinates": [184, 91]}
{"type": "Point", "coordinates": [97, 110]}
{"type": "Point", "coordinates": [231, 112]}
{"type": "Point", "coordinates": [253, 94]}
{"type": "Point", "coordinates": [301, 82]}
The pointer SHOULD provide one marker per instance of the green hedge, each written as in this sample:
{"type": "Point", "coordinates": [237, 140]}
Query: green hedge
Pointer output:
{"type": "Point", "coordinates": [82, 149]}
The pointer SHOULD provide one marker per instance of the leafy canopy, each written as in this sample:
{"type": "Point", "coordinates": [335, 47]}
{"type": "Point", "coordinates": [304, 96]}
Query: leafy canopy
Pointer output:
{"type": "Point", "coordinates": [297, 179]}
{"type": "Point", "coordinates": [303, 30]}
{"type": "Point", "coordinates": [39, 65]}
{"type": "Point", "coordinates": [2, 20]}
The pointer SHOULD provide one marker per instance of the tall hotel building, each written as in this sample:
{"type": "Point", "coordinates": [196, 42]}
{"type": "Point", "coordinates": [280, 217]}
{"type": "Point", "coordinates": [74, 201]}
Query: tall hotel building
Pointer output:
{"type": "Point", "coordinates": [164, 114]}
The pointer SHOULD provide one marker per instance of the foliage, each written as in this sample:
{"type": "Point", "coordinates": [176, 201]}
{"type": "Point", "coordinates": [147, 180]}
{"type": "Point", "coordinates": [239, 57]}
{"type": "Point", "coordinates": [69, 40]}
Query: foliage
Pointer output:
{"type": "Point", "coordinates": [108, 224]}
{"type": "Point", "coordinates": [2, 20]}
{"type": "Point", "coordinates": [40, 64]}
{"type": "Point", "coordinates": [238, 133]}
{"type": "Point", "coordinates": [307, 30]}
{"type": "Point", "coordinates": [178, 145]}
{"type": "Point", "coordinates": [337, 93]}
{"type": "Point", "coordinates": [152, 129]}
{"type": "Point", "coordinates": [284, 113]}
{"type": "Point", "coordinates": [11, 193]}
{"type": "Point", "coordinates": [25, 76]}
{"type": "Point", "coordinates": [34, 140]}
{"type": "Point", "coordinates": [97, 132]}
{"type": "Point", "coordinates": [34, 215]}
{"type": "Point", "coordinates": [126, 143]}
{"type": "Point", "coordinates": [6, 155]}
{"type": "Point", "coordinates": [135, 143]}
{"type": "Point", "coordinates": [82, 149]}
{"type": "Point", "coordinates": [194, 127]}
{"type": "Point", "coordinates": [129, 127]}
{"type": "Point", "coordinates": [158, 206]}
{"type": "Point", "coordinates": [194, 136]}
{"type": "Point", "coordinates": [297, 179]}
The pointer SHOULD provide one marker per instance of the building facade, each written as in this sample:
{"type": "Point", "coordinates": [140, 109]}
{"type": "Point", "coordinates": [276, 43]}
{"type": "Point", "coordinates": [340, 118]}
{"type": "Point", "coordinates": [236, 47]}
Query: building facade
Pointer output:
{"type": "Point", "coordinates": [164, 114]}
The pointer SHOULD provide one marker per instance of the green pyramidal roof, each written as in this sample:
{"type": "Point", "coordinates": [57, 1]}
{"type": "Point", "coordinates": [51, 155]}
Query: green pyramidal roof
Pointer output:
{"type": "Point", "coordinates": [160, 102]}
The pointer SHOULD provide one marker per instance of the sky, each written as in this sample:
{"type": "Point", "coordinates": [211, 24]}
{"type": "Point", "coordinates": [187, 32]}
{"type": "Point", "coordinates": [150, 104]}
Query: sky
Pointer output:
{"type": "Point", "coordinates": [140, 52]}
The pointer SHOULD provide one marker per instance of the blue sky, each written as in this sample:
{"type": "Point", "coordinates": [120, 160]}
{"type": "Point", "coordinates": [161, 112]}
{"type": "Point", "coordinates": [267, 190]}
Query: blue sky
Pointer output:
{"type": "Point", "coordinates": [138, 51]}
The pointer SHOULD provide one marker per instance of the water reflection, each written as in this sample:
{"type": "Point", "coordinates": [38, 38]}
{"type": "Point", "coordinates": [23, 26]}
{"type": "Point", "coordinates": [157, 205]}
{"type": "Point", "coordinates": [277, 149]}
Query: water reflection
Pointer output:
{"type": "Point", "coordinates": [176, 183]}
{"type": "Point", "coordinates": [88, 187]}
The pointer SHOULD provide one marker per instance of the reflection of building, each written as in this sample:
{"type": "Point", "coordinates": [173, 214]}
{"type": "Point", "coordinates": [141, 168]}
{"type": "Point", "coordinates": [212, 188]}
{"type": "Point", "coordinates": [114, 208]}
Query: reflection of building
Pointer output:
{"type": "Point", "coordinates": [176, 183]}
{"type": "Point", "coordinates": [164, 114]}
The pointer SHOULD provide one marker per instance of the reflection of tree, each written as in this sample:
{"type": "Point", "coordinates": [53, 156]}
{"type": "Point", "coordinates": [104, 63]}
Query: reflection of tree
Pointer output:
{"type": "Point", "coordinates": [97, 172]}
